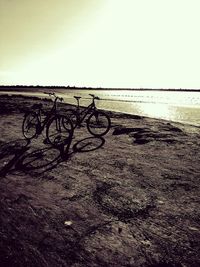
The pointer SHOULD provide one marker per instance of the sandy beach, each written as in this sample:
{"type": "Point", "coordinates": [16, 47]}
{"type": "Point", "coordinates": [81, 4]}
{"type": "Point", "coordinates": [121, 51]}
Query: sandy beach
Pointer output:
{"type": "Point", "coordinates": [130, 198]}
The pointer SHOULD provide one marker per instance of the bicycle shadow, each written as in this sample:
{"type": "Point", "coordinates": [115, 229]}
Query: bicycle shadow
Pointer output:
{"type": "Point", "coordinates": [39, 161]}
{"type": "Point", "coordinates": [10, 153]}
{"type": "Point", "coordinates": [25, 159]}
{"type": "Point", "coordinates": [88, 144]}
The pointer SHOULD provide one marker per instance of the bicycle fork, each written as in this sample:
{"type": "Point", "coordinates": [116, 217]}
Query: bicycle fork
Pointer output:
{"type": "Point", "coordinates": [96, 117]}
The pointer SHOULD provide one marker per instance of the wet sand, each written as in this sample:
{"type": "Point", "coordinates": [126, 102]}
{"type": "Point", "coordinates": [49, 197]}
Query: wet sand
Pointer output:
{"type": "Point", "coordinates": [130, 198]}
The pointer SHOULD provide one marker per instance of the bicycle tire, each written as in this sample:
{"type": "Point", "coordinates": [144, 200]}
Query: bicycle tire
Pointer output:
{"type": "Point", "coordinates": [98, 123]}
{"type": "Point", "coordinates": [30, 125]}
{"type": "Point", "coordinates": [59, 130]}
{"type": "Point", "coordinates": [72, 115]}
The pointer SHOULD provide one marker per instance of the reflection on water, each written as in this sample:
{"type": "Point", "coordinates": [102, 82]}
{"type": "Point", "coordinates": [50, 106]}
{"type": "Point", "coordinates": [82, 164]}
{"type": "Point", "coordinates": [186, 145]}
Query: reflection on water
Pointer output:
{"type": "Point", "coordinates": [185, 114]}
{"type": "Point", "coordinates": [165, 97]}
{"type": "Point", "coordinates": [175, 106]}
{"type": "Point", "coordinates": [157, 110]}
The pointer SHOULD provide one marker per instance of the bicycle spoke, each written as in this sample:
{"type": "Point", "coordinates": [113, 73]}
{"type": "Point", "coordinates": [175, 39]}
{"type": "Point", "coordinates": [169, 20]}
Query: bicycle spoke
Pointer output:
{"type": "Point", "coordinates": [30, 124]}
{"type": "Point", "coordinates": [59, 130]}
{"type": "Point", "coordinates": [98, 124]}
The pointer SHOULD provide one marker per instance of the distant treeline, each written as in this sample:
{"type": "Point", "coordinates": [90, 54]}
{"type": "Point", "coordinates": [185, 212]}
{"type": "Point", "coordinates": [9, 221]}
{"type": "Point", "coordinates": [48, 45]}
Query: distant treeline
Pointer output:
{"type": "Point", "coordinates": [39, 87]}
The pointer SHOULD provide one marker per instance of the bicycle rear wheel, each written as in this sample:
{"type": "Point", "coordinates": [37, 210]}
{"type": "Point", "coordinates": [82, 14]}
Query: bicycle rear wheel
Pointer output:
{"type": "Point", "coordinates": [30, 125]}
{"type": "Point", "coordinates": [59, 130]}
{"type": "Point", "coordinates": [98, 123]}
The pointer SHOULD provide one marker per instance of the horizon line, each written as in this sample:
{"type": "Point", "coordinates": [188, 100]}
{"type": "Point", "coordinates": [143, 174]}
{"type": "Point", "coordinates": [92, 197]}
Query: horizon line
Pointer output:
{"type": "Point", "coordinates": [97, 88]}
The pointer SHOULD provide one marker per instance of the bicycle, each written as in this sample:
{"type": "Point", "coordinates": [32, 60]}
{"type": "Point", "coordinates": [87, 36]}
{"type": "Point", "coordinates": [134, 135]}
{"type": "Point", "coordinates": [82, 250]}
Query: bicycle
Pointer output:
{"type": "Point", "coordinates": [98, 122]}
{"type": "Point", "coordinates": [59, 128]}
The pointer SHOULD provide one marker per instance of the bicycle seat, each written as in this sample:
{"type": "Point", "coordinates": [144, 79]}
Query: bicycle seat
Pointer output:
{"type": "Point", "coordinates": [37, 106]}
{"type": "Point", "coordinates": [77, 97]}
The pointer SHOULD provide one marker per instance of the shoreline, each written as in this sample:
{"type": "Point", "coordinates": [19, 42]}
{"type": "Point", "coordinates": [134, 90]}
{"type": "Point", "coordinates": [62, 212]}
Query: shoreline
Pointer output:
{"type": "Point", "coordinates": [129, 198]}
{"type": "Point", "coordinates": [189, 124]}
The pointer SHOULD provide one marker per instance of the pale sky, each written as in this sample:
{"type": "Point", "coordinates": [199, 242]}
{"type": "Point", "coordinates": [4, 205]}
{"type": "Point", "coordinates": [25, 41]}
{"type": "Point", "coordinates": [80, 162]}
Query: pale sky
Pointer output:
{"type": "Point", "coordinates": [100, 43]}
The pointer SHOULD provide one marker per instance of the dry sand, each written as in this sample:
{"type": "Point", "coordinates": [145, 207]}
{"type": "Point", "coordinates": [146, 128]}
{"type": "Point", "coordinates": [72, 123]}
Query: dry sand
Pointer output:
{"type": "Point", "coordinates": [128, 199]}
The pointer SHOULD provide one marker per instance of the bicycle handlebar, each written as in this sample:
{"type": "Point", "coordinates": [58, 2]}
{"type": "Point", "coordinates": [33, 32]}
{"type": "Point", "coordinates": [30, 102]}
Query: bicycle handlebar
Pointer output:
{"type": "Point", "coordinates": [56, 97]}
{"type": "Point", "coordinates": [94, 97]}
{"type": "Point", "coordinates": [50, 94]}
{"type": "Point", "coordinates": [60, 98]}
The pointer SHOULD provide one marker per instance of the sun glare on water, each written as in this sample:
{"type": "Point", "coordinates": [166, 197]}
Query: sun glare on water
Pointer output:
{"type": "Point", "coordinates": [157, 110]}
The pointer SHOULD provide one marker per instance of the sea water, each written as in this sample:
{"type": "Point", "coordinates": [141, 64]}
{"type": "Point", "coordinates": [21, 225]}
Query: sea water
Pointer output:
{"type": "Point", "coordinates": [179, 106]}
{"type": "Point", "coordinates": [170, 105]}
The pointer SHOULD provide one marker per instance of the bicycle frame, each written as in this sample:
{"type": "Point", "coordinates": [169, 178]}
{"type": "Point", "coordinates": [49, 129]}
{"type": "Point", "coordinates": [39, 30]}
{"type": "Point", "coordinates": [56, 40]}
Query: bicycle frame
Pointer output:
{"type": "Point", "coordinates": [53, 111]}
{"type": "Point", "coordinates": [81, 115]}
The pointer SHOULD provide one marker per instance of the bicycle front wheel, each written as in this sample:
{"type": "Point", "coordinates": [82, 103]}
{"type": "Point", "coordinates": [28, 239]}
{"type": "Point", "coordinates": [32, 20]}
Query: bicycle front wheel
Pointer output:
{"type": "Point", "coordinates": [30, 125]}
{"type": "Point", "coordinates": [98, 123]}
{"type": "Point", "coordinates": [59, 130]}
